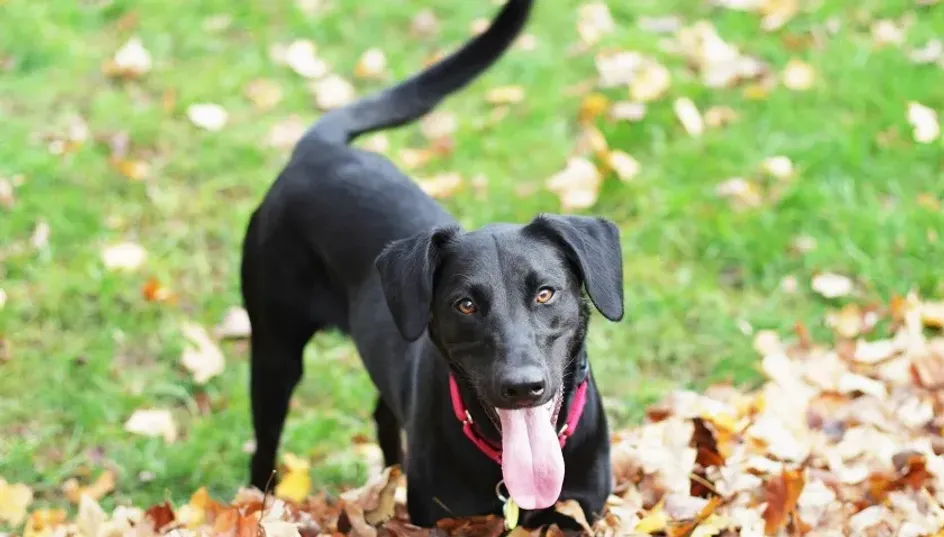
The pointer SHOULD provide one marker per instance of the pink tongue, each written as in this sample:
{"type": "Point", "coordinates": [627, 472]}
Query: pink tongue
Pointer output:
{"type": "Point", "coordinates": [532, 462]}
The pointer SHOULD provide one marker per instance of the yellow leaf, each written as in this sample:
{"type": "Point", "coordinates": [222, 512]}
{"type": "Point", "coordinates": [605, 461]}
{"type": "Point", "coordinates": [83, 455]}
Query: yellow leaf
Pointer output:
{"type": "Point", "coordinates": [296, 483]}
{"type": "Point", "coordinates": [798, 75]}
{"type": "Point", "coordinates": [505, 95]}
{"type": "Point", "coordinates": [96, 491]}
{"type": "Point", "coordinates": [372, 64]}
{"type": "Point", "coordinates": [593, 105]}
{"type": "Point", "coordinates": [655, 521]}
{"type": "Point", "coordinates": [14, 499]}
{"type": "Point", "coordinates": [42, 521]}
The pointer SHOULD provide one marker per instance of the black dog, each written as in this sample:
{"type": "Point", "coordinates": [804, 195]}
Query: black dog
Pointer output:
{"type": "Point", "coordinates": [475, 340]}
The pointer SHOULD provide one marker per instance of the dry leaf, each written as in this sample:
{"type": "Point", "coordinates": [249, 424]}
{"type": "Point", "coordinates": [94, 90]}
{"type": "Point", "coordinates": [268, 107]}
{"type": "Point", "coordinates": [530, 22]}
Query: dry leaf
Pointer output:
{"type": "Point", "coordinates": [593, 106]}
{"type": "Point", "coordinates": [15, 498]}
{"type": "Point", "coordinates": [924, 123]}
{"type": "Point", "coordinates": [333, 91]}
{"type": "Point", "coordinates": [203, 358]}
{"type": "Point", "coordinates": [136, 170]}
{"type": "Point", "coordinates": [208, 116]}
{"type": "Point", "coordinates": [41, 522]}
{"type": "Point", "coordinates": [627, 111]}
{"type": "Point", "coordinates": [264, 93]}
{"type": "Point", "coordinates": [650, 83]}
{"type": "Point", "coordinates": [593, 22]}
{"type": "Point", "coordinates": [505, 95]}
{"type": "Point", "coordinates": [91, 519]}
{"type": "Point", "coordinates": [689, 116]}
{"type": "Point", "coordinates": [438, 124]}
{"type": "Point", "coordinates": [780, 167]}
{"type": "Point", "coordinates": [618, 69]}
{"type": "Point", "coordinates": [300, 57]}
{"type": "Point", "coordinates": [375, 500]}
{"type": "Point", "coordinates": [424, 24]}
{"type": "Point", "coordinates": [831, 285]}
{"type": "Point", "coordinates": [372, 64]}
{"type": "Point", "coordinates": [625, 166]}
{"type": "Point", "coordinates": [440, 186]}
{"type": "Point", "coordinates": [782, 493]}
{"type": "Point", "coordinates": [931, 52]}
{"type": "Point", "coordinates": [153, 422]}
{"type": "Point", "coordinates": [235, 324]}
{"type": "Point", "coordinates": [887, 32]}
{"type": "Point", "coordinates": [285, 134]}
{"type": "Point", "coordinates": [577, 185]}
{"type": "Point", "coordinates": [296, 481]}
{"type": "Point", "coordinates": [719, 116]}
{"type": "Point", "coordinates": [478, 26]}
{"type": "Point", "coordinates": [743, 192]}
{"type": "Point", "coordinates": [40, 235]}
{"type": "Point", "coordinates": [798, 75]}
{"type": "Point", "coordinates": [96, 491]}
{"type": "Point", "coordinates": [123, 256]}
{"type": "Point", "coordinates": [132, 60]}
{"type": "Point", "coordinates": [161, 515]}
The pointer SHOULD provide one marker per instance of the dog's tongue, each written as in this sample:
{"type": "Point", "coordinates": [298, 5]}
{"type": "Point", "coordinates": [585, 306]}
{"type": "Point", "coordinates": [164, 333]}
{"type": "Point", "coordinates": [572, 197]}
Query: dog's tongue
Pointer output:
{"type": "Point", "coordinates": [532, 462]}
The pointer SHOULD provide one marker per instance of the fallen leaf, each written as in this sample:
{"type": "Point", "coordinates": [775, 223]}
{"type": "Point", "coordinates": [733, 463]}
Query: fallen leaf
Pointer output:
{"type": "Point", "coordinates": [372, 64]}
{"type": "Point", "coordinates": [593, 22]}
{"type": "Point", "coordinates": [478, 26]}
{"type": "Point", "coordinates": [438, 124]}
{"type": "Point", "coordinates": [264, 93]}
{"type": "Point", "coordinates": [577, 185]}
{"type": "Point", "coordinates": [424, 24]}
{"type": "Point", "coordinates": [593, 106]}
{"type": "Point", "coordinates": [442, 185]}
{"type": "Point", "coordinates": [625, 166]}
{"type": "Point", "coordinates": [3, 298]}
{"type": "Point", "coordinates": [279, 528]}
{"type": "Point", "coordinates": [375, 500]}
{"type": "Point", "coordinates": [782, 493]}
{"type": "Point", "coordinates": [235, 324]}
{"type": "Point", "coordinates": [153, 422]}
{"type": "Point", "coordinates": [208, 116]}
{"type": "Point", "coordinates": [743, 192]}
{"type": "Point", "coordinates": [627, 111]}
{"type": "Point", "coordinates": [572, 510]}
{"type": "Point", "coordinates": [15, 498]}
{"type": "Point", "coordinates": [931, 52]}
{"type": "Point", "coordinates": [333, 91]}
{"type": "Point", "coordinates": [136, 170]}
{"type": "Point", "coordinates": [719, 116]}
{"type": "Point", "coordinates": [689, 116]}
{"type": "Point", "coordinates": [924, 123]}
{"type": "Point", "coordinates": [618, 69]}
{"type": "Point", "coordinates": [651, 82]}
{"type": "Point", "coordinates": [40, 236]}
{"type": "Point", "coordinates": [123, 256]}
{"type": "Point", "coordinates": [779, 167]}
{"type": "Point", "coordinates": [505, 95]}
{"type": "Point", "coordinates": [203, 358]}
{"type": "Point", "coordinates": [932, 314]}
{"type": "Point", "coordinates": [285, 134]}
{"type": "Point", "coordinates": [41, 522]}
{"type": "Point", "coordinates": [831, 285]}
{"type": "Point", "coordinates": [91, 518]}
{"type": "Point", "coordinates": [296, 481]}
{"type": "Point", "coordinates": [160, 515]}
{"type": "Point", "coordinates": [887, 32]}
{"type": "Point", "coordinates": [130, 61]}
{"type": "Point", "coordinates": [154, 291]}
{"type": "Point", "coordinates": [96, 491]}
{"type": "Point", "coordinates": [7, 198]}
{"type": "Point", "coordinates": [798, 75]}
{"type": "Point", "coordinates": [300, 57]}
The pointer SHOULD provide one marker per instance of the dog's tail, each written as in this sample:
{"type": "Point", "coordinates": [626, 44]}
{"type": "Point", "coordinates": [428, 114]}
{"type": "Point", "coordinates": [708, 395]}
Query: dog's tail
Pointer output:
{"type": "Point", "coordinates": [417, 95]}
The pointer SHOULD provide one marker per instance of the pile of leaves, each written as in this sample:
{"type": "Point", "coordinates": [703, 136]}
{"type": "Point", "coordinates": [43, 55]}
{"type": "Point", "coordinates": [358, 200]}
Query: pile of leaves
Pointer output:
{"type": "Point", "coordinates": [843, 439]}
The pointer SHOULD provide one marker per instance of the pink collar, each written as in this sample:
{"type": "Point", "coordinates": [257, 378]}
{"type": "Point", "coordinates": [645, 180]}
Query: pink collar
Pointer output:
{"type": "Point", "coordinates": [494, 452]}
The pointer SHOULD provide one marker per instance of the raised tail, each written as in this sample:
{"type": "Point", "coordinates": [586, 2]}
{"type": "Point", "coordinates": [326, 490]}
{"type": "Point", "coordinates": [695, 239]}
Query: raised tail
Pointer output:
{"type": "Point", "coordinates": [417, 95]}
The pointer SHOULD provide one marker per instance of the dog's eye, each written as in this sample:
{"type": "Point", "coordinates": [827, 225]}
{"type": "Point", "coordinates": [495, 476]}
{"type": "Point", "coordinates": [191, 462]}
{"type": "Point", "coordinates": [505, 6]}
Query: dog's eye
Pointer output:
{"type": "Point", "coordinates": [466, 306]}
{"type": "Point", "coordinates": [545, 294]}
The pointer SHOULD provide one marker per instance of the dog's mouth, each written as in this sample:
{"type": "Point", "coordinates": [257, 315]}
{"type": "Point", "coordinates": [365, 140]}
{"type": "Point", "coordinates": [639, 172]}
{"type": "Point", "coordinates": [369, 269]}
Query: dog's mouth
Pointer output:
{"type": "Point", "coordinates": [532, 461]}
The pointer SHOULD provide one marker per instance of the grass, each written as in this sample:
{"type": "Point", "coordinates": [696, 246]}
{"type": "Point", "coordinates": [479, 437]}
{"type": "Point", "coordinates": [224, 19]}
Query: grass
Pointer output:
{"type": "Point", "coordinates": [85, 349]}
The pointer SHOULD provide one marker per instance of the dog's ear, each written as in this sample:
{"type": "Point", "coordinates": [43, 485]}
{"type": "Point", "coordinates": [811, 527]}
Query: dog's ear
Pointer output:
{"type": "Point", "coordinates": [407, 267]}
{"type": "Point", "coordinates": [593, 244]}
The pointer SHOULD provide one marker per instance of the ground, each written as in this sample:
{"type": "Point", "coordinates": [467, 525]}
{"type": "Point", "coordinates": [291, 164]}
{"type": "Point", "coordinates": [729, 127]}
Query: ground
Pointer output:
{"type": "Point", "coordinates": [82, 347]}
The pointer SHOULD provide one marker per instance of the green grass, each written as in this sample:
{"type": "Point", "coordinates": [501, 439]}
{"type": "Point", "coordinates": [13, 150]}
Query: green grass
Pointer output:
{"type": "Point", "coordinates": [86, 349]}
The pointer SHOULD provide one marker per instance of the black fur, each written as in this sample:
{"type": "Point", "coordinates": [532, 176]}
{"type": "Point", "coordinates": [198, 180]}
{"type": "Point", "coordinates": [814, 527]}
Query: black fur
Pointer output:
{"type": "Point", "coordinates": [344, 240]}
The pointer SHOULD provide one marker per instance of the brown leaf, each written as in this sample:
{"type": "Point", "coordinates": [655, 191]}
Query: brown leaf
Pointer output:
{"type": "Point", "coordinates": [154, 291]}
{"type": "Point", "coordinates": [475, 526]}
{"type": "Point", "coordinates": [96, 491]}
{"type": "Point", "coordinates": [782, 493]}
{"type": "Point", "coordinates": [374, 502]}
{"type": "Point", "coordinates": [572, 509]}
{"type": "Point", "coordinates": [703, 440]}
{"type": "Point", "coordinates": [160, 515]}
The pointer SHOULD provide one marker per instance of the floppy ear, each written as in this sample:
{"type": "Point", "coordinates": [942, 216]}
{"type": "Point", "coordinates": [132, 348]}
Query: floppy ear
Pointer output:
{"type": "Point", "coordinates": [593, 243]}
{"type": "Point", "coordinates": [407, 267]}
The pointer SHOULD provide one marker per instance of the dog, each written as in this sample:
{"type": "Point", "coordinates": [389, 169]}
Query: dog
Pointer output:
{"type": "Point", "coordinates": [474, 339]}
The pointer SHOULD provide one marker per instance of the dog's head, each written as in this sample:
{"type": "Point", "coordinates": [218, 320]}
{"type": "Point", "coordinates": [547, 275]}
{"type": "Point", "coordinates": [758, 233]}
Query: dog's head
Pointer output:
{"type": "Point", "coordinates": [504, 303]}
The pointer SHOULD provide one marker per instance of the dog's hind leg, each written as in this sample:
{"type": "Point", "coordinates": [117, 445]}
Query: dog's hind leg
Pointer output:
{"type": "Point", "coordinates": [388, 433]}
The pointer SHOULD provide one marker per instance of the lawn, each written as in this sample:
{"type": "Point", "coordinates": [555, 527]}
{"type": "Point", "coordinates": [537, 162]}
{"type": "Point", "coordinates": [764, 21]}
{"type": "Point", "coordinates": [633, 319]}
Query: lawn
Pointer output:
{"type": "Point", "coordinates": [82, 347]}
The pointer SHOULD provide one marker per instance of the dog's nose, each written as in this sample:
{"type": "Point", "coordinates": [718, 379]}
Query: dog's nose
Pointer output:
{"type": "Point", "coordinates": [523, 387]}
